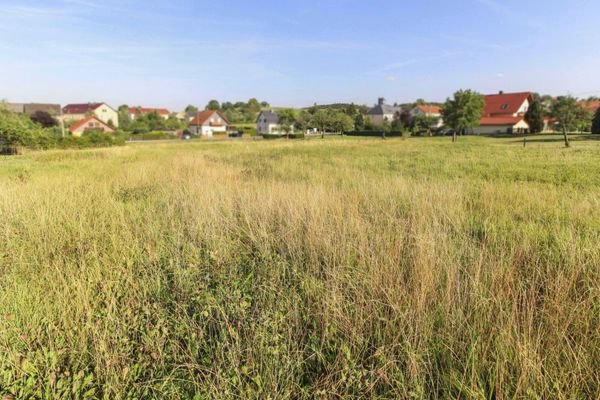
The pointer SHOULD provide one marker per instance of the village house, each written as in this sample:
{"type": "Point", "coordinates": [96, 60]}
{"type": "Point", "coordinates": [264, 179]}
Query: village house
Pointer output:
{"type": "Point", "coordinates": [208, 122]}
{"type": "Point", "coordinates": [430, 111]}
{"type": "Point", "coordinates": [135, 111]}
{"type": "Point", "coordinates": [382, 112]}
{"type": "Point", "coordinates": [267, 123]}
{"type": "Point", "coordinates": [89, 123]}
{"type": "Point", "coordinates": [104, 112]}
{"type": "Point", "coordinates": [504, 113]}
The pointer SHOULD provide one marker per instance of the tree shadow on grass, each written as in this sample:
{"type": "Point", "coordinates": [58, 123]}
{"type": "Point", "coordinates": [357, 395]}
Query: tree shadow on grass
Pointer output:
{"type": "Point", "coordinates": [547, 138]}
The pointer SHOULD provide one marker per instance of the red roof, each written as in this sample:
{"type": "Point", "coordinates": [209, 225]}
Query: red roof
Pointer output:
{"type": "Point", "coordinates": [84, 121]}
{"type": "Point", "coordinates": [80, 108]}
{"type": "Point", "coordinates": [500, 121]}
{"type": "Point", "coordinates": [160, 111]}
{"type": "Point", "coordinates": [590, 105]}
{"type": "Point", "coordinates": [203, 116]}
{"type": "Point", "coordinates": [505, 103]}
{"type": "Point", "coordinates": [430, 109]}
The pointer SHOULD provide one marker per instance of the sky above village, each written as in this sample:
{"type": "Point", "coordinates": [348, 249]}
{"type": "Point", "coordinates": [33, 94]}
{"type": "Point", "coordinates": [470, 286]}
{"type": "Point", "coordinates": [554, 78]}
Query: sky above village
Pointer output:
{"type": "Point", "coordinates": [293, 53]}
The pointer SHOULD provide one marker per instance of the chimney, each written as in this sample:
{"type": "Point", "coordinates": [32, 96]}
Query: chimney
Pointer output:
{"type": "Point", "coordinates": [501, 92]}
{"type": "Point", "coordinates": [381, 101]}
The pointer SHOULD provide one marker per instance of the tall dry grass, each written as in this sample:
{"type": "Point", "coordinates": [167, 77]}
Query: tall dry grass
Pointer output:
{"type": "Point", "coordinates": [335, 269]}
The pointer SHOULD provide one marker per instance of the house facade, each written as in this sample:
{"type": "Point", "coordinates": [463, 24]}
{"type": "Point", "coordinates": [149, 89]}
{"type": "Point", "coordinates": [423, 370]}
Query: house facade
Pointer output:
{"type": "Point", "coordinates": [102, 111]}
{"type": "Point", "coordinates": [504, 113]}
{"type": "Point", "coordinates": [89, 123]}
{"type": "Point", "coordinates": [382, 112]}
{"type": "Point", "coordinates": [208, 122]}
{"type": "Point", "coordinates": [267, 123]}
{"type": "Point", "coordinates": [430, 111]}
{"type": "Point", "coordinates": [135, 111]}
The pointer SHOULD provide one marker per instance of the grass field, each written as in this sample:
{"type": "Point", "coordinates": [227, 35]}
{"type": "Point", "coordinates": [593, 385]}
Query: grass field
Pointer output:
{"type": "Point", "coordinates": [337, 268]}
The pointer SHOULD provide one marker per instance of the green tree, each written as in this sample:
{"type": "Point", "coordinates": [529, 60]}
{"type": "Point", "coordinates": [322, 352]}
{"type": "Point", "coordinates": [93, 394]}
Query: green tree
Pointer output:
{"type": "Point", "coordinates": [535, 116]}
{"type": "Point", "coordinates": [213, 105]}
{"type": "Point", "coordinates": [463, 111]}
{"type": "Point", "coordinates": [569, 115]}
{"type": "Point", "coordinates": [190, 109]}
{"type": "Point", "coordinates": [287, 118]}
{"type": "Point", "coordinates": [321, 120]}
{"type": "Point", "coordinates": [596, 123]}
{"type": "Point", "coordinates": [341, 122]}
{"type": "Point", "coordinates": [359, 122]}
{"type": "Point", "coordinates": [124, 117]}
{"type": "Point", "coordinates": [397, 124]}
{"type": "Point", "coordinates": [423, 123]}
{"type": "Point", "coordinates": [253, 105]}
{"type": "Point", "coordinates": [303, 121]}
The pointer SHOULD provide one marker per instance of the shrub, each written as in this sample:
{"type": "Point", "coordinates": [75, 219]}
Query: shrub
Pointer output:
{"type": "Point", "coordinates": [156, 135]}
{"type": "Point", "coordinates": [17, 130]}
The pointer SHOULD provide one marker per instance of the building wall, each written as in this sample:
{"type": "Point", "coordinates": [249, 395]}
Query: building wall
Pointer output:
{"type": "Point", "coordinates": [134, 115]}
{"type": "Point", "coordinates": [500, 129]}
{"type": "Point", "coordinates": [523, 109]}
{"type": "Point", "coordinates": [106, 114]}
{"type": "Point", "coordinates": [52, 109]}
{"type": "Point", "coordinates": [15, 107]}
{"type": "Point", "coordinates": [91, 125]}
{"type": "Point", "coordinates": [73, 117]}
{"type": "Point", "coordinates": [266, 128]}
{"type": "Point", "coordinates": [263, 127]}
{"type": "Point", "coordinates": [379, 119]}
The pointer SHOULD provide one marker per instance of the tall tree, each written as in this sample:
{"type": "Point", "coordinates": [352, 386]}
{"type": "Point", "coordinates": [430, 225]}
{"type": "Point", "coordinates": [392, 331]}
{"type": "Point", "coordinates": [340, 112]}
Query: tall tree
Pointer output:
{"type": "Point", "coordinates": [253, 105]}
{"type": "Point", "coordinates": [535, 116]}
{"type": "Point", "coordinates": [287, 118]}
{"type": "Point", "coordinates": [569, 115]}
{"type": "Point", "coordinates": [359, 122]}
{"type": "Point", "coordinates": [213, 105]}
{"type": "Point", "coordinates": [190, 109]}
{"type": "Point", "coordinates": [463, 111]}
{"type": "Point", "coordinates": [596, 123]}
{"type": "Point", "coordinates": [124, 117]}
{"type": "Point", "coordinates": [321, 120]}
{"type": "Point", "coordinates": [341, 122]}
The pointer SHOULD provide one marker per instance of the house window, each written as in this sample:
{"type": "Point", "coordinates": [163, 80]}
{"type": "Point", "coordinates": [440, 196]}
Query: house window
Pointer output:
{"type": "Point", "coordinates": [504, 106]}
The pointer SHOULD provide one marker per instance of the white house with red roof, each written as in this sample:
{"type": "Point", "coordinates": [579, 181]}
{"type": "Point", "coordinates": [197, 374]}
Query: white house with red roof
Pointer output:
{"type": "Point", "coordinates": [505, 113]}
{"type": "Point", "coordinates": [104, 112]}
{"type": "Point", "coordinates": [430, 111]}
{"type": "Point", "coordinates": [135, 111]}
{"type": "Point", "coordinates": [89, 123]}
{"type": "Point", "coordinates": [208, 122]}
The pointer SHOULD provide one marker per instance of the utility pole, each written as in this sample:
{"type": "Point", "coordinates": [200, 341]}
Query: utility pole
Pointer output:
{"type": "Point", "coordinates": [62, 123]}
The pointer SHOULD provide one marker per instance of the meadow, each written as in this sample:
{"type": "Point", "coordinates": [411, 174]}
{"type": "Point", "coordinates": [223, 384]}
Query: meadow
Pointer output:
{"type": "Point", "coordinates": [329, 269]}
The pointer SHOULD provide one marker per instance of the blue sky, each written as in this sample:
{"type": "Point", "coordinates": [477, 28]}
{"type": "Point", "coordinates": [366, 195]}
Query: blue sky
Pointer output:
{"type": "Point", "coordinates": [293, 53]}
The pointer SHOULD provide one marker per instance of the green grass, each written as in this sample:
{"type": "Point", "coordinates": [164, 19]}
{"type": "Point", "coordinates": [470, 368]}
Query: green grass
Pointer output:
{"type": "Point", "coordinates": [336, 268]}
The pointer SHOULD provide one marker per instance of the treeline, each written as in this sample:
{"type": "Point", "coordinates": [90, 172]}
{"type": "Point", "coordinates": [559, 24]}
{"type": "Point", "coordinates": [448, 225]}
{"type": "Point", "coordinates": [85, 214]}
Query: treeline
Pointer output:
{"type": "Point", "coordinates": [236, 113]}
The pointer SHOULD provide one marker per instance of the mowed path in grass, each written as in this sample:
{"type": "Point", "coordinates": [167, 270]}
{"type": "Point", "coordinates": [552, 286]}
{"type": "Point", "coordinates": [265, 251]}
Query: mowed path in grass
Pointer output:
{"type": "Point", "coordinates": [350, 268]}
